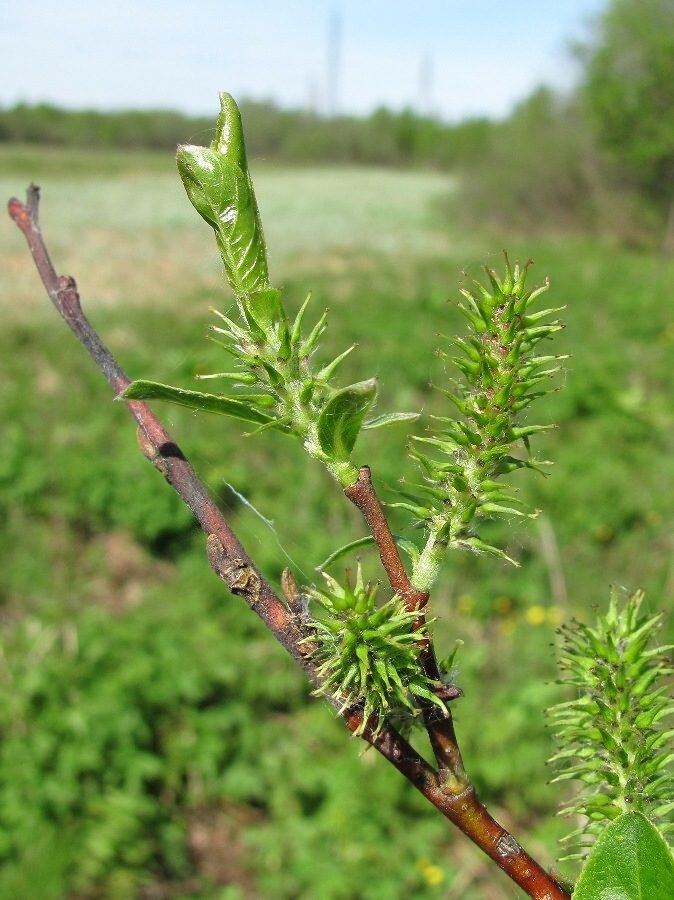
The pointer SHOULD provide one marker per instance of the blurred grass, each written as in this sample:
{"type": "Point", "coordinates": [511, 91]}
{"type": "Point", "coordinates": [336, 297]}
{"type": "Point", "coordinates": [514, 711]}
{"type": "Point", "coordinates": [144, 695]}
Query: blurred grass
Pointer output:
{"type": "Point", "coordinates": [94, 544]}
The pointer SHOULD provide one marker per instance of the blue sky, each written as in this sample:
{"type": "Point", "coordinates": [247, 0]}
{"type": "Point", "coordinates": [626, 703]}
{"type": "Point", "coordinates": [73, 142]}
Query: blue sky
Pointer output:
{"type": "Point", "coordinates": [455, 58]}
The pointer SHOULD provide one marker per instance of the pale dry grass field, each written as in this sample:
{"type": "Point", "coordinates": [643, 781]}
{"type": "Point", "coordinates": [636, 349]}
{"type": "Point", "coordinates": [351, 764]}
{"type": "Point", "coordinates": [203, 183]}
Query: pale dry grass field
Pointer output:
{"type": "Point", "coordinates": [122, 225]}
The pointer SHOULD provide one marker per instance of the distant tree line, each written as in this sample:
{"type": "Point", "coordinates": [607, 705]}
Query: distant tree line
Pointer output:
{"type": "Point", "coordinates": [383, 138]}
{"type": "Point", "coordinates": [599, 160]}
{"type": "Point", "coordinates": [46, 124]}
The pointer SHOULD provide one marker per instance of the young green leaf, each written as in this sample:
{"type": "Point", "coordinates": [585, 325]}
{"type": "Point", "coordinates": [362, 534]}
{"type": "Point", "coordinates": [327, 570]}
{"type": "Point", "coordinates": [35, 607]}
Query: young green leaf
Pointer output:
{"type": "Point", "coordinates": [212, 403]}
{"type": "Point", "coordinates": [630, 861]}
{"type": "Point", "coordinates": [390, 419]}
{"type": "Point", "coordinates": [346, 549]}
{"type": "Point", "coordinates": [342, 418]}
{"type": "Point", "coordinates": [265, 309]}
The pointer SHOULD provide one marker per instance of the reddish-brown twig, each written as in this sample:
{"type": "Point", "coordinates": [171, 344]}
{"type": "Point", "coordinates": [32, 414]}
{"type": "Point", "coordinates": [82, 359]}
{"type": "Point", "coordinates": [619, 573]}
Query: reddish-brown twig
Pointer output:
{"type": "Point", "coordinates": [463, 808]}
{"type": "Point", "coordinates": [230, 561]}
{"type": "Point", "coordinates": [361, 494]}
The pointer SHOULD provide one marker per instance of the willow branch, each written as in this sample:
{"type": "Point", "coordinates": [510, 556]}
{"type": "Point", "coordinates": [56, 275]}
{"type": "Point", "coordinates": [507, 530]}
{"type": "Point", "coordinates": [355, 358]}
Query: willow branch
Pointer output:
{"type": "Point", "coordinates": [232, 564]}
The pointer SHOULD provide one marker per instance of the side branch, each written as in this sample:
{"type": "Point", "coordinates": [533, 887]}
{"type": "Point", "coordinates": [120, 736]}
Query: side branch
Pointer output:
{"type": "Point", "coordinates": [361, 493]}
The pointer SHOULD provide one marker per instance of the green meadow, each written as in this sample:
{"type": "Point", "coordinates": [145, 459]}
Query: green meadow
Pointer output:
{"type": "Point", "coordinates": [155, 741]}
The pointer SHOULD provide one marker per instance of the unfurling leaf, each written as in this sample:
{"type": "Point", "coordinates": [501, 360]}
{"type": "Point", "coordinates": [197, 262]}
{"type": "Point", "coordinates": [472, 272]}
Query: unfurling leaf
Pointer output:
{"type": "Point", "coordinates": [220, 188]}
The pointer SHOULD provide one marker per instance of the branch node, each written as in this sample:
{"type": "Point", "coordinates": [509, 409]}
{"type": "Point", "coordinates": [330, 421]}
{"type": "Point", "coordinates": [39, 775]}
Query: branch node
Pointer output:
{"type": "Point", "coordinates": [150, 452]}
{"type": "Point", "coordinates": [66, 283]}
{"type": "Point", "coordinates": [297, 603]}
{"type": "Point", "coordinates": [507, 845]}
{"type": "Point", "coordinates": [454, 785]}
{"type": "Point", "coordinates": [240, 577]}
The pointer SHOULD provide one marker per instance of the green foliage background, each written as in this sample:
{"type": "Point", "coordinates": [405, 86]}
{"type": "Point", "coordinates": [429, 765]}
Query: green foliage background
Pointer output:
{"type": "Point", "coordinates": [154, 741]}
